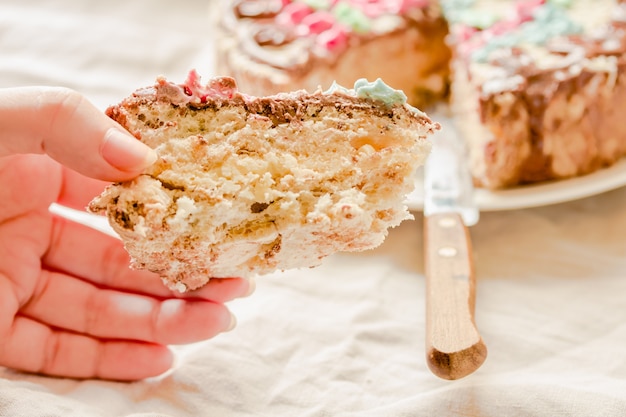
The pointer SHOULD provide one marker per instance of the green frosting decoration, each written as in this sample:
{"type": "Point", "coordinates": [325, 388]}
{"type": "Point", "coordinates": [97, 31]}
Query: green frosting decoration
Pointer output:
{"type": "Point", "coordinates": [477, 19]}
{"type": "Point", "coordinates": [506, 40]}
{"type": "Point", "coordinates": [549, 21]}
{"type": "Point", "coordinates": [380, 91]}
{"type": "Point", "coordinates": [463, 11]}
{"type": "Point", "coordinates": [376, 90]}
{"type": "Point", "coordinates": [450, 6]}
{"type": "Point", "coordinates": [318, 4]}
{"type": "Point", "coordinates": [561, 3]}
{"type": "Point", "coordinates": [351, 17]}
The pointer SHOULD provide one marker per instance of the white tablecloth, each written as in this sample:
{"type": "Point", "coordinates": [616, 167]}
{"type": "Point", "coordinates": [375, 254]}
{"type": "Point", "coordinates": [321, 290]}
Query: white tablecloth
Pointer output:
{"type": "Point", "coordinates": [347, 338]}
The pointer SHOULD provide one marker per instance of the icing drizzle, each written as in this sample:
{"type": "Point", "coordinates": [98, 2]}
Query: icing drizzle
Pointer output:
{"type": "Point", "coordinates": [533, 22]}
{"type": "Point", "coordinates": [546, 41]}
{"type": "Point", "coordinates": [328, 25]}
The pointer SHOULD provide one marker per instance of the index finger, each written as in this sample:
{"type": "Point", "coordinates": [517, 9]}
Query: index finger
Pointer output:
{"type": "Point", "coordinates": [66, 126]}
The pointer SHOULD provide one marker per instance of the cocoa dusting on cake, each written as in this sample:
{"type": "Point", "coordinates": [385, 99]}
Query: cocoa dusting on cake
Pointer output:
{"type": "Point", "coordinates": [374, 96]}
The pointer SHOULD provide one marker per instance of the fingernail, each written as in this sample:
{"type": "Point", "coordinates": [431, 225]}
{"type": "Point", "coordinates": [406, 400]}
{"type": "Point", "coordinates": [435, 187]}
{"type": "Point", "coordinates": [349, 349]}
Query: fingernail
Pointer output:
{"type": "Point", "coordinates": [125, 152]}
{"type": "Point", "coordinates": [251, 287]}
{"type": "Point", "coordinates": [232, 324]}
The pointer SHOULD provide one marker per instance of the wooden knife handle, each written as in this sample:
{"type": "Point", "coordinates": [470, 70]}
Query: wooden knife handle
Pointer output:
{"type": "Point", "coordinates": [454, 348]}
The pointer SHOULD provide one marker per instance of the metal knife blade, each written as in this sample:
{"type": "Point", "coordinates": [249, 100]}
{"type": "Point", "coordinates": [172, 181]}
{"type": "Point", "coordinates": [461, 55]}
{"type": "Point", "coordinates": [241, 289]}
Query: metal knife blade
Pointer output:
{"type": "Point", "coordinates": [454, 348]}
{"type": "Point", "coordinates": [448, 185]}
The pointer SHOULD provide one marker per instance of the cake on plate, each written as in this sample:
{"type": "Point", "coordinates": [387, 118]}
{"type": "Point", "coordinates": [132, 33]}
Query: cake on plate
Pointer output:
{"type": "Point", "coordinates": [249, 185]}
{"type": "Point", "coordinates": [537, 85]}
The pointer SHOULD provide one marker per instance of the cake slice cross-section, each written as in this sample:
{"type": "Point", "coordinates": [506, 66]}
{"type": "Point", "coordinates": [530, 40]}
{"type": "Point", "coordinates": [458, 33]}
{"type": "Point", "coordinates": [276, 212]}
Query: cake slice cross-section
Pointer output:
{"type": "Point", "coordinates": [248, 185]}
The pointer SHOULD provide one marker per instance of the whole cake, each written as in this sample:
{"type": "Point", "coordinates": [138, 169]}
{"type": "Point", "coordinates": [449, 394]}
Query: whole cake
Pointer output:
{"type": "Point", "coordinates": [270, 46]}
{"type": "Point", "coordinates": [248, 185]}
{"type": "Point", "coordinates": [537, 85]}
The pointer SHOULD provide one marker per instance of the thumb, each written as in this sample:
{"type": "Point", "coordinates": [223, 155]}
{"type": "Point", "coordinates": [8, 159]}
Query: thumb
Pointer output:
{"type": "Point", "coordinates": [65, 125]}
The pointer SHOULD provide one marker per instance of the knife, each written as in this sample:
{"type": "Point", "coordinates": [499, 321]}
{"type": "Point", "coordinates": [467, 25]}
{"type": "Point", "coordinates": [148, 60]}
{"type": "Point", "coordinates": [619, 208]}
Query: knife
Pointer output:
{"type": "Point", "coordinates": [454, 347]}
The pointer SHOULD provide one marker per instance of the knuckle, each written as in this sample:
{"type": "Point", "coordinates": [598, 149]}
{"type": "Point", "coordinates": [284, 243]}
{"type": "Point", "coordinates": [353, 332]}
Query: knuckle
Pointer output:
{"type": "Point", "coordinates": [94, 310]}
{"type": "Point", "coordinates": [156, 323]}
{"type": "Point", "coordinates": [58, 99]}
{"type": "Point", "coordinates": [51, 355]}
{"type": "Point", "coordinates": [62, 96]}
{"type": "Point", "coordinates": [59, 105]}
{"type": "Point", "coordinates": [114, 264]}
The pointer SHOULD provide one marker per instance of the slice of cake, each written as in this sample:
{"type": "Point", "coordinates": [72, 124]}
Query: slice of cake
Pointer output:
{"type": "Point", "coordinates": [539, 87]}
{"type": "Point", "coordinates": [248, 185]}
{"type": "Point", "coordinates": [270, 46]}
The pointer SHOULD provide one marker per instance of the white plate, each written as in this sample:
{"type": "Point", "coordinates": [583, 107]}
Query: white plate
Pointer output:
{"type": "Point", "coordinates": [538, 195]}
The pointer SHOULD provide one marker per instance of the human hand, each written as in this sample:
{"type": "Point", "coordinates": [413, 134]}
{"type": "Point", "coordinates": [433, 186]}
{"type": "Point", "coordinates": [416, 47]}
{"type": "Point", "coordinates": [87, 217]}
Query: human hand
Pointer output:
{"type": "Point", "coordinates": [69, 304]}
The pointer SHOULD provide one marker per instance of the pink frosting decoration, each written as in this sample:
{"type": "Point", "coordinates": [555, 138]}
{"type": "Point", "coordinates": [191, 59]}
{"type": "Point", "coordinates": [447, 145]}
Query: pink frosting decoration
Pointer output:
{"type": "Point", "coordinates": [333, 38]}
{"type": "Point", "coordinates": [217, 87]}
{"type": "Point", "coordinates": [293, 14]}
{"type": "Point", "coordinates": [463, 32]}
{"type": "Point", "coordinates": [469, 43]}
{"type": "Point", "coordinates": [376, 8]}
{"type": "Point", "coordinates": [525, 9]}
{"type": "Point", "coordinates": [318, 22]}
{"type": "Point", "coordinates": [322, 24]}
